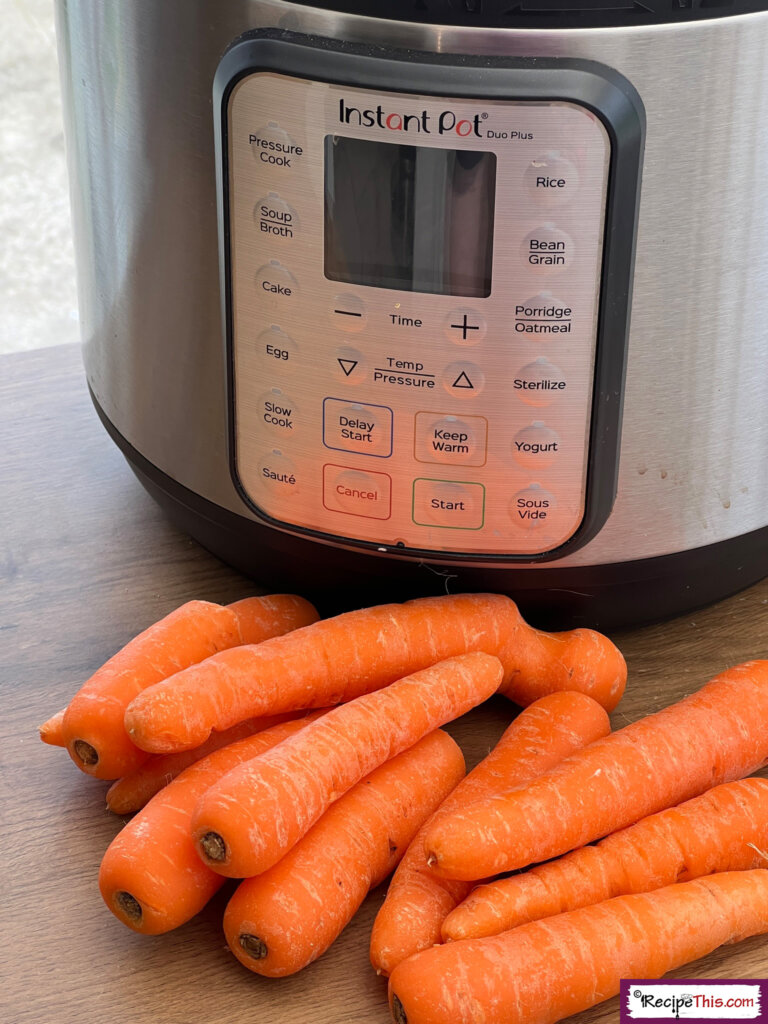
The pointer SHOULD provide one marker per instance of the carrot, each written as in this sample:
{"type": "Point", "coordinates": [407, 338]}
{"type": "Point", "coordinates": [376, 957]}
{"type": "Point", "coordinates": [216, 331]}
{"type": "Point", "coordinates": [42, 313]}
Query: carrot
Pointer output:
{"type": "Point", "coordinates": [133, 791]}
{"type": "Point", "coordinates": [344, 657]}
{"type": "Point", "coordinates": [281, 921]}
{"type": "Point", "coordinates": [255, 814]}
{"type": "Point", "coordinates": [550, 969]}
{"type": "Point", "coordinates": [52, 731]}
{"type": "Point", "coordinates": [418, 901]}
{"type": "Point", "coordinates": [151, 877]}
{"type": "Point", "coordinates": [93, 727]}
{"type": "Point", "coordinates": [713, 736]}
{"type": "Point", "coordinates": [725, 829]}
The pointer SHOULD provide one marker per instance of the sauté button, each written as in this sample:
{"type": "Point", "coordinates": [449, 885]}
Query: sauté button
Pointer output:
{"type": "Point", "coordinates": [348, 313]}
{"type": "Point", "coordinates": [532, 507]}
{"type": "Point", "coordinates": [458, 440]}
{"type": "Point", "coordinates": [551, 179]}
{"type": "Point", "coordinates": [278, 412]}
{"type": "Point", "coordinates": [275, 217]}
{"type": "Point", "coordinates": [353, 427]}
{"type": "Point", "coordinates": [450, 504]}
{"type": "Point", "coordinates": [539, 383]}
{"type": "Point", "coordinates": [278, 474]}
{"type": "Point", "coordinates": [536, 445]}
{"type": "Point", "coordinates": [277, 349]}
{"type": "Point", "coordinates": [356, 492]}
{"type": "Point", "coordinates": [463, 380]}
{"type": "Point", "coordinates": [547, 250]}
{"type": "Point", "coordinates": [276, 285]}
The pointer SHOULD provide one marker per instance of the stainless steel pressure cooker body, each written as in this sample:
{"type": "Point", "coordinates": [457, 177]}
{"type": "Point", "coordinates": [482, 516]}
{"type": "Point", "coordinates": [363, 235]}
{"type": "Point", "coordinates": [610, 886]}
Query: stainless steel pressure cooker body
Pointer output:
{"type": "Point", "coordinates": [464, 297]}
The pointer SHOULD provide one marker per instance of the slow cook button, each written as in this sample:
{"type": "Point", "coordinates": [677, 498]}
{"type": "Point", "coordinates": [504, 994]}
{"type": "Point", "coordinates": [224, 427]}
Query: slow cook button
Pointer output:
{"type": "Point", "coordinates": [551, 179]}
{"type": "Point", "coordinates": [539, 383]}
{"type": "Point", "coordinates": [278, 412]}
{"type": "Point", "coordinates": [276, 285]}
{"type": "Point", "coordinates": [452, 504]}
{"type": "Point", "coordinates": [357, 493]}
{"type": "Point", "coordinates": [536, 445]}
{"type": "Point", "coordinates": [532, 507]}
{"type": "Point", "coordinates": [275, 217]}
{"type": "Point", "coordinates": [278, 474]}
{"type": "Point", "coordinates": [547, 250]}
{"type": "Point", "coordinates": [451, 439]}
{"type": "Point", "coordinates": [352, 427]}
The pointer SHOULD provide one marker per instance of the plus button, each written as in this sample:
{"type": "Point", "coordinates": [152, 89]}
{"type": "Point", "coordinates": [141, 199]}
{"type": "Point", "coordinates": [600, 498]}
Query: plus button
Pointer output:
{"type": "Point", "coordinates": [465, 327]}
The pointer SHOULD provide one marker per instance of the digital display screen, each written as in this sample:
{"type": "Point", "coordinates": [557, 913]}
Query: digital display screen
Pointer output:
{"type": "Point", "coordinates": [411, 218]}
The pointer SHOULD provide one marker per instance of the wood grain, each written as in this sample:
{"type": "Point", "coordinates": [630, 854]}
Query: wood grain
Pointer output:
{"type": "Point", "coordinates": [86, 561]}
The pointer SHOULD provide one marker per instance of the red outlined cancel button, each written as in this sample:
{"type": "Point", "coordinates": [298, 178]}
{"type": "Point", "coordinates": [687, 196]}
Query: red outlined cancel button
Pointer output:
{"type": "Point", "coordinates": [357, 492]}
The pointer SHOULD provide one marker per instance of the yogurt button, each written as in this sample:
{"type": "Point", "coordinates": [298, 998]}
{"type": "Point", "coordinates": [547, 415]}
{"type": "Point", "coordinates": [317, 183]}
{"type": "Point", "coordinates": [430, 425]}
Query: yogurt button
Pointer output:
{"type": "Point", "coordinates": [536, 445]}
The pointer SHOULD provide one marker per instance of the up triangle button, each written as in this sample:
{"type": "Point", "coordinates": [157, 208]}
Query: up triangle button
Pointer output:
{"type": "Point", "coordinates": [463, 381]}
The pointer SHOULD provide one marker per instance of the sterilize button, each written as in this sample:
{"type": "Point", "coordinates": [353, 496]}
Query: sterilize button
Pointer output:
{"type": "Point", "coordinates": [465, 327]}
{"type": "Point", "coordinates": [532, 507]}
{"type": "Point", "coordinates": [356, 492]}
{"type": "Point", "coordinates": [539, 383]}
{"type": "Point", "coordinates": [536, 445]}
{"type": "Point", "coordinates": [276, 285]}
{"type": "Point", "coordinates": [463, 380]}
{"type": "Point", "coordinates": [547, 250]}
{"type": "Point", "coordinates": [458, 440]}
{"type": "Point", "coordinates": [275, 217]}
{"type": "Point", "coordinates": [348, 313]}
{"type": "Point", "coordinates": [458, 505]}
{"type": "Point", "coordinates": [278, 473]}
{"type": "Point", "coordinates": [278, 412]}
{"type": "Point", "coordinates": [274, 148]}
{"type": "Point", "coordinates": [551, 179]}
{"type": "Point", "coordinates": [354, 427]}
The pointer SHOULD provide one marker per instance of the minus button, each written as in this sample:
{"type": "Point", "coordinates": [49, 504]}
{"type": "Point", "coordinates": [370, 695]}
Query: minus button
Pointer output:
{"type": "Point", "coordinates": [349, 313]}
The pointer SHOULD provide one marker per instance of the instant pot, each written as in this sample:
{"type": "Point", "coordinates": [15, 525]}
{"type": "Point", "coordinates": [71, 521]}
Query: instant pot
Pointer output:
{"type": "Point", "coordinates": [434, 295]}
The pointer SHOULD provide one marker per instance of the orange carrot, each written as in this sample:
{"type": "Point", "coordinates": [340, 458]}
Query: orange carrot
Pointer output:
{"type": "Point", "coordinates": [151, 877]}
{"type": "Point", "coordinates": [52, 731]}
{"type": "Point", "coordinates": [550, 969]}
{"type": "Point", "coordinates": [725, 829]}
{"type": "Point", "coordinates": [713, 736]}
{"type": "Point", "coordinates": [418, 901]}
{"type": "Point", "coordinates": [342, 658]}
{"type": "Point", "coordinates": [133, 791]}
{"type": "Point", "coordinates": [93, 727]}
{"type": "Point", "coordinates": [282, 920]}
{"type": "Point", "coordinates": [255, 814]}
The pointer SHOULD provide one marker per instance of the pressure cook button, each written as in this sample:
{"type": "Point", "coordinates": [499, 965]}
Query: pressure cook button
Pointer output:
{"type": "Point", "coordinates": [276, 285]}
{"type": "Point", "coordinates": [536, 445]}
{"type": "Point", "coordinates": [277, 349]}
{"type": "Point", "coordinates": [352, 427]}
{"type": "Point", "coordinates": [532, 507]}
{"type": "Point", "coordinates": [450, 504]}
{"type": "Point", "coordinates": [278, 474]}
{"type": "Point", "coordinates": [465, 327]}
{"type": "Point", "coordinates": [539, 383]}
{"type": "Point", "coordinates": [275, 217]}
{"type": "Point", "coordinates": [348, 313]}
{"type": "Point", "coordinates": [551, 179]}
{"type": "Point", "coordinates": [274, 148]}
{"type": "Point", "coordinates": [463, 380]}
{"type": "Point", "coordinates": [356, 492]}
{"type": "Point", "coordinates": [547, 250]}
{"type": "Point", "coordinates": [278, 412]}
{"type": "Point", "coordinates": [451, 439]}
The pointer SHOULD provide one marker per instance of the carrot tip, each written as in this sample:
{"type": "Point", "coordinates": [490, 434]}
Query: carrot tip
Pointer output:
{"type": "Point", "coordinates": [398, 1011]}
{"type": "Point", "coordinates": [214, 848]}
{"type": "Point", "coordinates": [128, 905]}
{"type": "Point", "coordinates": [87, 754]}
{"type": "Point", "coordinates": [253, 946]}
{"type": "Point", "coordinates": [431, 860]}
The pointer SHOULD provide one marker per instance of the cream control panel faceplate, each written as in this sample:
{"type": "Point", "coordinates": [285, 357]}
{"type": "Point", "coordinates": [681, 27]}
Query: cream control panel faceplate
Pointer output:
{"type": "Point", "coordinates": [435, 395]}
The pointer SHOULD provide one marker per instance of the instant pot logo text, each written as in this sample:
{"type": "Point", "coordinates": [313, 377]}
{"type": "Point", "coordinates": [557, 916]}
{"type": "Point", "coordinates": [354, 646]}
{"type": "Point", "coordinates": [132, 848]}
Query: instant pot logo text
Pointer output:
{"type": "Point", "coordinates": [444, 123]}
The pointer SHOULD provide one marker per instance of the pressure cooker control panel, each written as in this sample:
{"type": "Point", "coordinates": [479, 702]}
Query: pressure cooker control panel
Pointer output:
{"type": "Point", "coordinates": [414, 286]}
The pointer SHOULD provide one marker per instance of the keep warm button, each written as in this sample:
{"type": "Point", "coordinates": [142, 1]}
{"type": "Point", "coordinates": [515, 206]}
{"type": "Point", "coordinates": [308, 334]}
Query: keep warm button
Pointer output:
{"type": "Point", "coordinates": [453, 504]}
{"type": "Point", "coordinates": [353, 427]}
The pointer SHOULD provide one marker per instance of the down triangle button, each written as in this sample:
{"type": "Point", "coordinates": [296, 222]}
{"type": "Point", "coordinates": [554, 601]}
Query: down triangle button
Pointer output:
{"type": "Point", "coordinates": [348, 366]}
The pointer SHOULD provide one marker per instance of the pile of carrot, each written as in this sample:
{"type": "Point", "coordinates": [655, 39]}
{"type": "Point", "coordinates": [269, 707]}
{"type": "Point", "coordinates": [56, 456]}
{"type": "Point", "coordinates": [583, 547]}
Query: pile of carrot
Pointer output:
{"type": "Point", "coordinates": [305, 758]}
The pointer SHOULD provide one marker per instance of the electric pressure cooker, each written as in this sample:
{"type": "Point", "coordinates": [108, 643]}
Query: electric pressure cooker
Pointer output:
{"type": "Point", "coordinates": [434, 295]}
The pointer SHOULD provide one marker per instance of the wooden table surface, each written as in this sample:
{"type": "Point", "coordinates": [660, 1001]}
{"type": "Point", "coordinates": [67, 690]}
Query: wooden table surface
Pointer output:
{"type": "Point", "coordinates": [86, 562]}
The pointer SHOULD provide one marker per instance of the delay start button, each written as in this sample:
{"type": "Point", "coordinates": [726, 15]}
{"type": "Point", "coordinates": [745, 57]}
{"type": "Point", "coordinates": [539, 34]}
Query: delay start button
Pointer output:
{"type": "Point", "coordinates": [354, 427]}
{"type": "Point", "coordinates": [356, 492]}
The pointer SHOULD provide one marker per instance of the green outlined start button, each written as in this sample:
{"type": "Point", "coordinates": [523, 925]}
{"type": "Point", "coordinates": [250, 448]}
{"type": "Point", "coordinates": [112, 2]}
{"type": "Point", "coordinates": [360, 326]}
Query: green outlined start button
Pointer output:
{"type": "Point", "coordinates": [450, 504]}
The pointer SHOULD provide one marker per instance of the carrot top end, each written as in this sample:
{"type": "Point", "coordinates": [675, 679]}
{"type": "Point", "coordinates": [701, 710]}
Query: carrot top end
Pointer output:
{"type": "Point", "coordinates": [253, 946]}
{"type": "Point", "coordinates": [128, 907]}
{"type": "Point", "coordinates": [87, 755]}
{"type": "Point", "coordinates": [213, 847]}
{"type": "Point", "coordinates": [398, 1011]}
